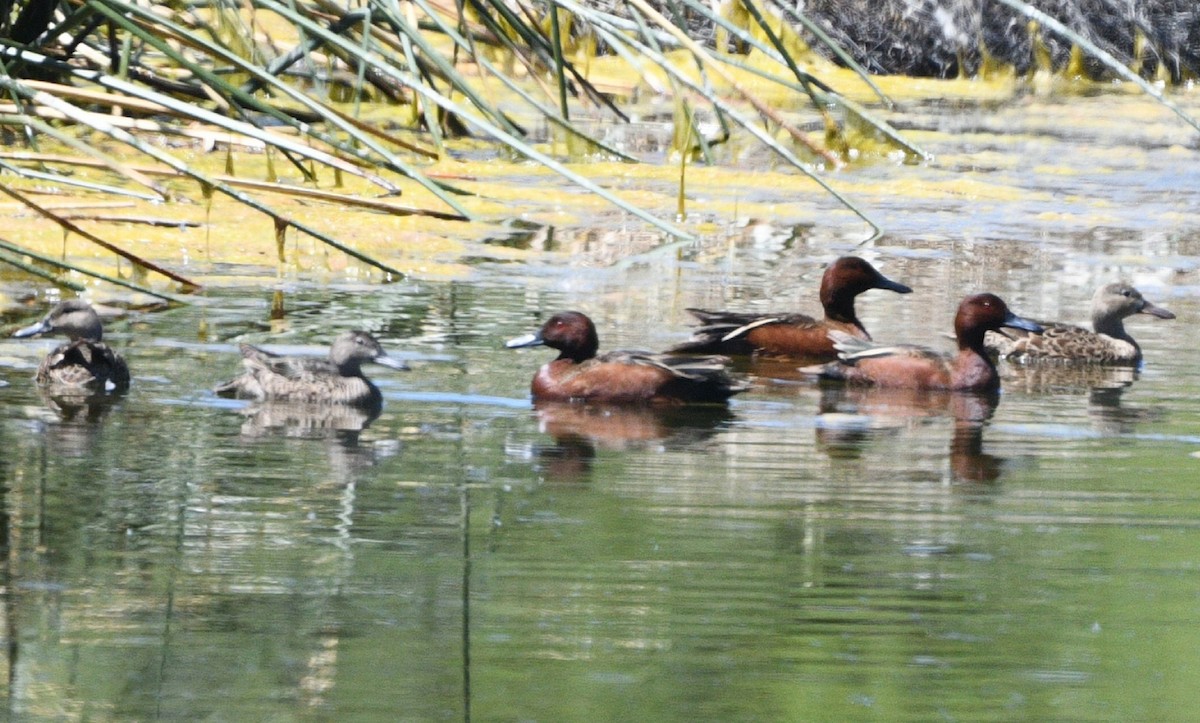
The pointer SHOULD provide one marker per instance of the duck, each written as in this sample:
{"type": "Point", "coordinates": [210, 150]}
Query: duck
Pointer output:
{"type": "Point", "coordinates": [338, 379]}
{"type": "Point", "coordinates": [1107, 343]}
{"type": "Point", "coordinates": [904, 366]}
{"type": "Point", "coordinates": [620, 377]}
{"type": "Point", "coordinates": [85, 362]}
{"type": "Point", "coordinates": [793, 335]}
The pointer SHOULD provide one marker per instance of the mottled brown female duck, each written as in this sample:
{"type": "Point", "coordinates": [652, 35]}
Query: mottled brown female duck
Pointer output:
{"type": "Point", "coordinates": [1108, 343]}
{"type": "Point", "coordinates": [793, 335]}
{"type": "Point", "coordinates": [913, 367]}
{"type": "Point", "coordinates": [338, 379]}
{"type": "Point", "coordinates": [84, 362]}
{"type": "Point", "coordinates": [620, 377]}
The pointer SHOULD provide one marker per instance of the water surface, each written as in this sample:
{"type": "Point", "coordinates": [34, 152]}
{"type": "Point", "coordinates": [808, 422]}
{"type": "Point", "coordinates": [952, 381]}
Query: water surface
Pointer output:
{"type": "Point", "coordinates": [808, 554]}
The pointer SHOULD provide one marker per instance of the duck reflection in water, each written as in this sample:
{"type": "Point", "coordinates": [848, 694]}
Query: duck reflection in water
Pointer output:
{"type": "Point", "coordinates": [580, 430]}
{"type": "Point", "coordinates": [1111, 416]}
{"type": "Point", "coordinates": [1103, 385]}
{"type": "Point", "coordinates": [850, 417]}
{"type": "Point", "coordinates": [1044, 379]}
{"type": "Point", "coordinates": [968, 461]}
{"type": "Point", "coordinates": [71, 422]}
{"type": "Point", "coordinates": [338, 426]}
{"type": "Point", "coordinates": [305, 420]}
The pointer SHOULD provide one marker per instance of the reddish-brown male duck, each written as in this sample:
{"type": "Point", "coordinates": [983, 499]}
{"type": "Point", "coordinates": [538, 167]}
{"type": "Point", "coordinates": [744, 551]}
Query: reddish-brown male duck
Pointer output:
{"type": "Point", "coordinates": [914, 367]}
{"type": "Point", "coordinates": [622, 377]}
{"type": "Point", "coordinates": [84, 362]}
{"type": "Point", "coordinates": [793, 335]}
{"type": "Point", "coordinates": [338, 379]}
{"type": "Point", "coordinates": [1109, 343]}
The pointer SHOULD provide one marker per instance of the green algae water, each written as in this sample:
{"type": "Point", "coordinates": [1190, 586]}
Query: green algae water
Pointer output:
{"type": "Point", "coordinates": [806, 554]}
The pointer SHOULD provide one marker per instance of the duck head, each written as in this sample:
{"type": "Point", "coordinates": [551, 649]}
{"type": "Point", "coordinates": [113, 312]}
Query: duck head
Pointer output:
{"type": "Point", "coordinates": [352, 349]}
{"type": "Point", "coordinates": [573, 334]}
{"type": "Point", "coordinates": [982, 313]}
{"type": "Point", "coordinates": [73, 318]}
{"type": "Point", "coordinates": [1120, 300]}
{"type": "Point", "coordinates": [848, 277]}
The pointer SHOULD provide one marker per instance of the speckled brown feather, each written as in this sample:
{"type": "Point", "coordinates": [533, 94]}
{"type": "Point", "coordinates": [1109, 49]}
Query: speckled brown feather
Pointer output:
{"type": "Point", "coordinates": [1064, 343]}
{"type": "Point", "coordinates": [83, 363]}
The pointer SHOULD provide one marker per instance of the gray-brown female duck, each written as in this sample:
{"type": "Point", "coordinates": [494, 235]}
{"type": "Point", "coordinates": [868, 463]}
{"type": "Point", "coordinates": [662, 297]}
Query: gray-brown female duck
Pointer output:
{"type": "Point", "coordinates": [338, 379]}
{"type": "Point", "coordinates": [1109, 343]}
{"type": "Point", "coordinates": [84, 362]}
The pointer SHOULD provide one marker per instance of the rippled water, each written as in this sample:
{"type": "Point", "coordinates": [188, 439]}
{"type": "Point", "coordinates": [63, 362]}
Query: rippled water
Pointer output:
{"type": "Point", "coordinates": [810, 554]}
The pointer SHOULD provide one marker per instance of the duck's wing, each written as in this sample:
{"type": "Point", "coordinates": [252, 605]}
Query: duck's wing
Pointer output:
{"type": "Point", "coordinates": [705, 371]}
{"type": "Point", "coordinates": [261, 361]}
{"type": "Point", "coordinates": [1058, 341]}
{"type": "Point", "coordinates": [852, 349]}
{"type": "Point", "coordinates": [110, 366]}
{"type": "Point", "coordinates": [294, 367]}
{"type": "Point", "coordinates": [1008, 342]}
{"type": "Point", "coordinates": [681, 365]}
{"type": "Point", "coordinates": [721, 330]}
{"type": "Point", "coordinates": [734, 326]}
{"type": "Point", "coordinates": [269, 375]}
{"type": "Point", "coordinates": [891, 365]}
{"type": "Point", "coordinates": [253, 353]}
{"type": "Point", "coordinates": [794, 323]}
{"type": "Point", "coordinates": [84, 363]}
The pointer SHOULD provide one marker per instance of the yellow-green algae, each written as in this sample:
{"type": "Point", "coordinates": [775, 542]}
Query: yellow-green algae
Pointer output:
{"type": "Point", "coordinates": [235, 235]}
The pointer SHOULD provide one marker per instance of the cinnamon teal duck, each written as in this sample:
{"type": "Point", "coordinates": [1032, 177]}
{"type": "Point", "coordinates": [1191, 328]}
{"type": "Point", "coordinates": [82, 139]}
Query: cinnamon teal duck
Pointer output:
{"type": "Point", "coordinates": [793, 335]}
{"type": "Point", "coordinates": [621, 377]}
{"type": "Point", "coordinates": [914, 367]}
